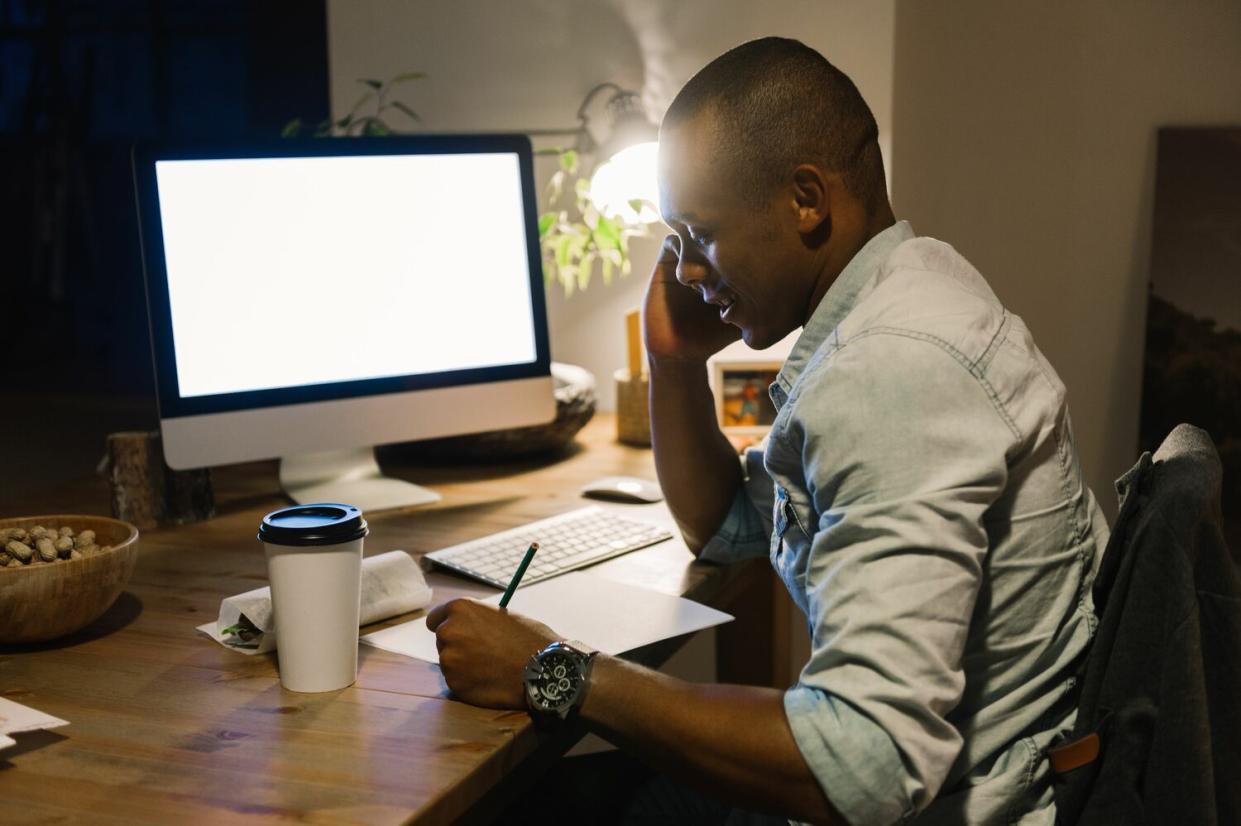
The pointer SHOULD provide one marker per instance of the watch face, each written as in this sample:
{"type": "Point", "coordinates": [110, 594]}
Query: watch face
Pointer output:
{"type": "Point", "coordinates": [557, 682]}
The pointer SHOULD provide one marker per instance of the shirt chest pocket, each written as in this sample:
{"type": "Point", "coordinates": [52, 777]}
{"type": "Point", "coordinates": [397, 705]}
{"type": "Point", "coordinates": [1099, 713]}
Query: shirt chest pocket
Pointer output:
{"type": "Point", "coordinates": [790, 542]}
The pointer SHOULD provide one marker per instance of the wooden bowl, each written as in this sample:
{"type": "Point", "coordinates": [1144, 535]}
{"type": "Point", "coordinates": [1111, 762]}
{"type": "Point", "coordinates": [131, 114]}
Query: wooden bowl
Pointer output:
{"type": "Point", "coordinates": [574, 388]}
{"type": "Point", "coordinates": [46, 600]}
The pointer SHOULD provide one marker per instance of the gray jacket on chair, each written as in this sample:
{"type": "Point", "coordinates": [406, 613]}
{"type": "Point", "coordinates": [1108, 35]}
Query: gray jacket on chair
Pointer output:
{"type": "Point", "coordinates": [1162, 685]}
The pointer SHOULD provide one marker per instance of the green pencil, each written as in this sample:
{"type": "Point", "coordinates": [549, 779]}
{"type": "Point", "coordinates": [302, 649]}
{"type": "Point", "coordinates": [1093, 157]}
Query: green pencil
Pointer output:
{"type": "Point", "coordinates": [521, 571]}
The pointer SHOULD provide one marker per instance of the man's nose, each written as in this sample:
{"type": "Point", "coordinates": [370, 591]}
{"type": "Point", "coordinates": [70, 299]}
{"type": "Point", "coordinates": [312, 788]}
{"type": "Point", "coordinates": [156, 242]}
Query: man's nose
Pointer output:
{"type": "Point", "coordinates": [690, 270]}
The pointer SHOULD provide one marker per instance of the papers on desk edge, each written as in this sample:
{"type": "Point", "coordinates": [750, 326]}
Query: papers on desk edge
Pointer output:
{"type": "Point", "coordinates": [606, 615]}
{"type": "Point", "coordinates": [16, 718]}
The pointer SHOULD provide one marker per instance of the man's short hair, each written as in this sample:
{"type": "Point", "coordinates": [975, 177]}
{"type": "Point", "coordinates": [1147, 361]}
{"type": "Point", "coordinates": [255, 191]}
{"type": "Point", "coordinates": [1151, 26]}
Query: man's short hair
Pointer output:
{"type": "Point", "coordinates": [779, 103]}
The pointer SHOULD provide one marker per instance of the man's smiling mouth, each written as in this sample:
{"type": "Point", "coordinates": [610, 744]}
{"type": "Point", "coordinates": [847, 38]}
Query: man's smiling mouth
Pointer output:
{"type": "Point", "coordinates": [718, 299]}
{"type": "Point", "coordinates": [724, 302]}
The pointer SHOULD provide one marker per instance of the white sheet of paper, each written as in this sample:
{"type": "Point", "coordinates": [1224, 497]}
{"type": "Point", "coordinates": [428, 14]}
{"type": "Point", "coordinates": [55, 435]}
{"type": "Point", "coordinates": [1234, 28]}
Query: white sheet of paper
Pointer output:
{"type": "Point", "coordinates": [606, 615]}
{"type": "Point", "coordinates": [392, 584]}
{"type": "Point", "coordinates": [16, 718]}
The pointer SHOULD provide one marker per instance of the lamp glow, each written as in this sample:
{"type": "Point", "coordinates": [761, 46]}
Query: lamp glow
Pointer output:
{"type": "Point", "coordinates": [629, 175]}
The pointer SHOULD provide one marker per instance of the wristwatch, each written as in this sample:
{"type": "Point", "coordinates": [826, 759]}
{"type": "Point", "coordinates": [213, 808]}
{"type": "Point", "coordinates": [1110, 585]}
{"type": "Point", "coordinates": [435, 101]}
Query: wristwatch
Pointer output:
{"type": "Point", "coordinates": [556, 679]}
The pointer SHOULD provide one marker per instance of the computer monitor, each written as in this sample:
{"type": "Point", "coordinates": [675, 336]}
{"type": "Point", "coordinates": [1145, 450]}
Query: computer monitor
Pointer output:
{"type": "Point", "coordinates": [310, 299]}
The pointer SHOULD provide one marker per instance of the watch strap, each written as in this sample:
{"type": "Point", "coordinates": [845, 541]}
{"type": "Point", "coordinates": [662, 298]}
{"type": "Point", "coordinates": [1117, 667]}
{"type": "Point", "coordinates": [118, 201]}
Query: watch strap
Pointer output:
{"type": "Point", "coordinates": [581, 647]}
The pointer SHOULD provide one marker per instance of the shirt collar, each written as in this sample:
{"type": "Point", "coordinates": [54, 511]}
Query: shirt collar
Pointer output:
{"type": "Point", "coordinates": [837, 303]}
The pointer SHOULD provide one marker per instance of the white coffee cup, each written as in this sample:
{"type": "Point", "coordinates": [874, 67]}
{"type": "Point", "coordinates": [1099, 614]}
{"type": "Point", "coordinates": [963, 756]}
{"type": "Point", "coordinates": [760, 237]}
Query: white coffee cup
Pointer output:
{"type": "Point", "coordinates": [314, 564]}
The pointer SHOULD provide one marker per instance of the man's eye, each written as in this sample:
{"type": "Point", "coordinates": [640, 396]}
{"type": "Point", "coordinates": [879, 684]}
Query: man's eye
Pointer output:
{"type": "Point", "coordinates": [700, 238]}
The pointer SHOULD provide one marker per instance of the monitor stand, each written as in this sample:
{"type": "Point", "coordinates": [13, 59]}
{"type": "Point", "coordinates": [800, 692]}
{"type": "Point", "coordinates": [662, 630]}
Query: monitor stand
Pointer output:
{"type": "Point", "coordinates": [350, 477]}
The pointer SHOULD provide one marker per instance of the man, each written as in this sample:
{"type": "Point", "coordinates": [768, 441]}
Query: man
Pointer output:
{"type": "Point", "coordinates": [919, 492]}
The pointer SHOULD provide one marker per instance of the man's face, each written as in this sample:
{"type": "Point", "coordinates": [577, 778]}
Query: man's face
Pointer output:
{"type": "Point", "coordinates": [742, 255]}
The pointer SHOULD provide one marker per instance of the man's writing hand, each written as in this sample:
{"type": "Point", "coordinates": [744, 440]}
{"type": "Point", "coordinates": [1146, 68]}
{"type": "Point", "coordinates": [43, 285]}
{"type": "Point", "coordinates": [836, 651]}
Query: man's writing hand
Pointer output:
{"type": "Point", "coordinates": [484, 650]}
{"type": "Point", "coordinates": [676, 322]}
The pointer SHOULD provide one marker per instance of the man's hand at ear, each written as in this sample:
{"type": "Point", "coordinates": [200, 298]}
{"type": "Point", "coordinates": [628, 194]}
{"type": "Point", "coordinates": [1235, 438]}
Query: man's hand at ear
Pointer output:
{"type": "Point", "coordinates": [697, 467]}
{"type": "Point", "coordinates": [676, 323]}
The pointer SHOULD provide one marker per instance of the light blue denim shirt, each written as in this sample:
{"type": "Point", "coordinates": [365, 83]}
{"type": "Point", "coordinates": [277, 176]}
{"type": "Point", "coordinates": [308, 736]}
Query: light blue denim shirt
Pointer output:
{"type": "Point", "coordinates": [929, 516]}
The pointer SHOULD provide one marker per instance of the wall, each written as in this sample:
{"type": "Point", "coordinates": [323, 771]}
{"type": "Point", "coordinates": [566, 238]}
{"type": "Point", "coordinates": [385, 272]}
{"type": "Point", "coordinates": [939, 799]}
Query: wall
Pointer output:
{"type": "Point", "coordinates": [527, 64]}
{"type": "Point", "coordinates": [1024, 134]}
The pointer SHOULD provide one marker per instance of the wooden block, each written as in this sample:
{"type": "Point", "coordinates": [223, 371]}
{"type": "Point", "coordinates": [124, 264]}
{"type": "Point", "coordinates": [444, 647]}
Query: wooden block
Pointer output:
{"type": "Point", "coordinates": [148, 493]}
{"type": "Point", "coordinates": [136, 474]}
{"type": "Point", "coordinates": [633, 340]}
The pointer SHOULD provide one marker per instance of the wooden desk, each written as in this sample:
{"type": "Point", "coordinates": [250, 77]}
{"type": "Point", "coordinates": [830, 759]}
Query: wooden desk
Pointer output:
{"type": "Point", "coordinates": [169, 727]}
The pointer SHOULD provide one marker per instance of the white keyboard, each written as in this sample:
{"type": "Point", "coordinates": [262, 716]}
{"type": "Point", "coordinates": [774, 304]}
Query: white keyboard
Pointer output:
{"type": "Point", "coordinates": [567, 542]}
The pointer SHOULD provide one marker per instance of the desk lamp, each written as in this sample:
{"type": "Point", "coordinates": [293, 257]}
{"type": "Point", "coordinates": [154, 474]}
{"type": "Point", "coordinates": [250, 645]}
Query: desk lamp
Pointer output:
{"type": "Point", "coordinates": [626, 146]}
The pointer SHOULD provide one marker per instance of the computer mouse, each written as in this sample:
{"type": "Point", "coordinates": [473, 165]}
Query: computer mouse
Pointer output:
{"type": "Point", "coordinates": [624, 489]}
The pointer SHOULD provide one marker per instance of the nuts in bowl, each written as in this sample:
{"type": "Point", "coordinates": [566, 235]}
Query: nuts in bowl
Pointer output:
{"type": "Point", "coordinates": [59, 573]}
{"type": "Point", "coordinates": [50, 544]}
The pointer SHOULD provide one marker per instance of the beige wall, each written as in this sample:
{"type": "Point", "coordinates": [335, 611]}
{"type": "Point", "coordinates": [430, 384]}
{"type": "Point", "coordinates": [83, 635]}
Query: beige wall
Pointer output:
{"type": "Point", "coordinates": [1024, 134]}
{"type": "Point", "coordinates": [526, 64]}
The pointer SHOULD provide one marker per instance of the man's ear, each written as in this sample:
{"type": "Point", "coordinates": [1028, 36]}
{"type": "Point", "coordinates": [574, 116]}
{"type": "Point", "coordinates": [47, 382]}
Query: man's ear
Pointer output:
{"type": "Point", "coordinates": [813, 189]}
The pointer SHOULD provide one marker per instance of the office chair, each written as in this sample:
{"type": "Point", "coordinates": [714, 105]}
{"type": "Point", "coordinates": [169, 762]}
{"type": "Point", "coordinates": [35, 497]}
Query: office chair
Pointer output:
{"type": "Point", "coordinates": [1158, 731]}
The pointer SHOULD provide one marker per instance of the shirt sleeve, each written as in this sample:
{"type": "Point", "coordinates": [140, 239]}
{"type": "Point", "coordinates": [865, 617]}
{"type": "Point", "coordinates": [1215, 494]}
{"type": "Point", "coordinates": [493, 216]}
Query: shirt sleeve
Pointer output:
{"type": "Point", "coordinates": [903, 451]}
{"type": "Point", "coordinates": [745, 532]}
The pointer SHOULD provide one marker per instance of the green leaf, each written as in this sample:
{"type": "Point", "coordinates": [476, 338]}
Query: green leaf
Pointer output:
{"type": "Point", "coordinates": [584, 270]}
{"type": "Point", "coordinates": [608, 233]}
{"type": "Point", "coordinates": [246, 632]}
{"type": "Point", "coordinates": [639, 204]}
{"type": "Point", "coordinates": [568, 161]}
{"type": "Point", "coordinates": [353, 110]}
{"type": "Point", "coordinates": [606, 269]}
{"type": "Point", "coordinates": [401, 106]}
{"type": "Point", "coordinates": [291, 128]}
{"type": "Point", "coordinates": [546, 220]}
{"type": "Point", "coordinates": [405, 77]}
{"type": "Point", "coordinates": [374, 127]}
{"type": "Point", "coordinates": [563, 244]}
{"type": "Point", "coordinates": [371, 82]}
{"type": "Point", "coordinates": [554, 187]}
{"type": "Point", "coordinates": [581, 187]}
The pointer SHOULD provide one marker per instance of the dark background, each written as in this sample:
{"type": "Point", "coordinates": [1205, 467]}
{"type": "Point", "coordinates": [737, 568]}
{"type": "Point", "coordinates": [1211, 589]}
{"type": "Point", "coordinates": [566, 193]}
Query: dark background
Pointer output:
{"type": "Point", "coordinates": [80, 82]}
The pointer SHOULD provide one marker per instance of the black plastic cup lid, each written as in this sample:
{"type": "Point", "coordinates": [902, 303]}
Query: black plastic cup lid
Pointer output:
{"type": "Point", "coordinates": [326, 523]}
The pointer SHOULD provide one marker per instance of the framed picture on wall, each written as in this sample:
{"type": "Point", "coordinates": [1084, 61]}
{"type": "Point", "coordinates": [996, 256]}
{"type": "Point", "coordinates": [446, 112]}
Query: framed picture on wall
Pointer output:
{"type": "Point", "coordinates": [1192, 369]}
{"type": "Point", "coordinates": [742, 403]}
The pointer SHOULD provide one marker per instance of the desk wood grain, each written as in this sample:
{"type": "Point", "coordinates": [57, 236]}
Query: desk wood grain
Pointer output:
{"type": "Point", "coordinates": [166, 726]}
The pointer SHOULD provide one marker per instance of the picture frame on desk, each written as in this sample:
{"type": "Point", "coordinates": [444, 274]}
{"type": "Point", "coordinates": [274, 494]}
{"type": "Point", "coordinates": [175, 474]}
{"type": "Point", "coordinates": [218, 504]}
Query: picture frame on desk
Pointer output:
{"type": "Point", "coordinates": [743, 406]}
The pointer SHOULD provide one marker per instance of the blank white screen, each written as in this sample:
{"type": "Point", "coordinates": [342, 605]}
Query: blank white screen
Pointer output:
{"type": "Point", "coordinates": [285, 272]}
